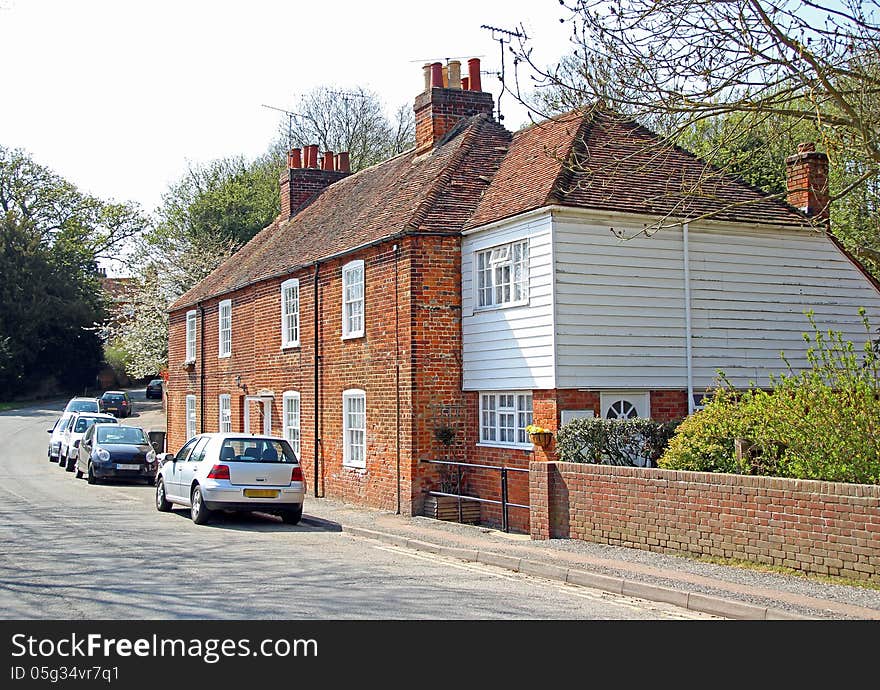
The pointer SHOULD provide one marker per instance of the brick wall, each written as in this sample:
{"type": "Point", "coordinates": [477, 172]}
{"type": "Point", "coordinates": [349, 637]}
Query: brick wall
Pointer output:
{"type": "Point", "coordinates": [437, 111]}
{"type": "Point", "coordinates": [817, 527]}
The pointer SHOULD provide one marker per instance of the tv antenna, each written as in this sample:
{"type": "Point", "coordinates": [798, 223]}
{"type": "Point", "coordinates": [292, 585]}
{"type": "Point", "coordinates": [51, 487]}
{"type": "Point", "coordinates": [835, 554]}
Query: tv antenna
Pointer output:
{"type": "Point", "coordinates": [290, 116]}
{"type": "Point", "coordinates": [504, 36]}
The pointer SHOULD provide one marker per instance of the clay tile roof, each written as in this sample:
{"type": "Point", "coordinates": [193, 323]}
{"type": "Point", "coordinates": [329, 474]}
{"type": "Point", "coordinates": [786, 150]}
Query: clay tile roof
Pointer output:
{"type": "Point", "coordinates": [433, 192]}
{"type": "Point", "coordinates": [616, 165]}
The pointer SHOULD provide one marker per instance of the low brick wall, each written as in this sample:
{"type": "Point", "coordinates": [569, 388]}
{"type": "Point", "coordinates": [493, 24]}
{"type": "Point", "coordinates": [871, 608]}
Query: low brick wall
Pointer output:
{"type": "Point", "coordinates": [817, 527]}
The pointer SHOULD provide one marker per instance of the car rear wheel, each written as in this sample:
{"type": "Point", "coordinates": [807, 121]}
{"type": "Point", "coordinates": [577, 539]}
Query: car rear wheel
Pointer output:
{"type": "Point", "coordinates": [79, 474]}
{"type": "Point", "coordinates": [198, 512]}
{"type": "Point", "coordinates": [163, 505]}
{"type": "Point", "coordinates": [69, 464]}
{"type": "Point", "coordinates": [292, 517]}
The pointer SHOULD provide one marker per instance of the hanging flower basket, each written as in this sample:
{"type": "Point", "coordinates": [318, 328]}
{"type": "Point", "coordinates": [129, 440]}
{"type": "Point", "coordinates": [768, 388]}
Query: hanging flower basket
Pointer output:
{"type": "Point", "coordinates": [540, 436]}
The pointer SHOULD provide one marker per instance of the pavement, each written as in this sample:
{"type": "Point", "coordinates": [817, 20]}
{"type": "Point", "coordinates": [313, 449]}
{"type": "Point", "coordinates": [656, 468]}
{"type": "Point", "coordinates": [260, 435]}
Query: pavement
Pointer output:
{"type": "Point", "coordinates": [726, 591]}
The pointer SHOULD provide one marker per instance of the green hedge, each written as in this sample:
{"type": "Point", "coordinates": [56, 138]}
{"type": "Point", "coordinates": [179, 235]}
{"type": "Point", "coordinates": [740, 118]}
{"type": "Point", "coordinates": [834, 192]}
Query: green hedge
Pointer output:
{"type": "Point", "coordinates": [628, 442]}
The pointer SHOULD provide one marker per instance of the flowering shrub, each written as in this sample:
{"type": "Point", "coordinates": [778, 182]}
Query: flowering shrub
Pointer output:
{"type": "Point", "coordinates": [819, 423]}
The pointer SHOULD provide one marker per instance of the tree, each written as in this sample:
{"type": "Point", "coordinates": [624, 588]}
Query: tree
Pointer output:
{"type": "Point", "coordinates": [229, 199]}
{"type": "Point", "coordinates": [674, 65]}
{"type": "Point", "coordinates": [351, 120]}
{"type": "Point", "coordinates": [51, 304]}
{"type": "Point", "coordinates": [59, 212]}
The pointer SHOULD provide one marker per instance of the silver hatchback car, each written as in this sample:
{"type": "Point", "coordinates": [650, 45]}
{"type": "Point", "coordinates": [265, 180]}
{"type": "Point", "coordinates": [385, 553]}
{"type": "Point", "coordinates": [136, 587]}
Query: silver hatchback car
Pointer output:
{"type": "Point", "coordinates": [229, 471]}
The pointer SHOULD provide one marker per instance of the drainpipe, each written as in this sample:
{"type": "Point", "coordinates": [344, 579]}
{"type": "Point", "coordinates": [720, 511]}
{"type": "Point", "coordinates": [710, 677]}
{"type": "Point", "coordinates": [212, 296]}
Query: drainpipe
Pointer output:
{"type": "Point", "coordinates": [397, 369]}
{"type": "Point", "coordinates": [202, 369]}
{"type": "Point", "coordinates": [316, 374]}
{"type": "Point", "coordinates": [687, 319]}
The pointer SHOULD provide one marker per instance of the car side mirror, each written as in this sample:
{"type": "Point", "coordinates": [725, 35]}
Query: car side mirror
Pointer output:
{"type": "Point", "coordinates": [50, 430]}
{"type": "Point", "coordinates": [166, 457]}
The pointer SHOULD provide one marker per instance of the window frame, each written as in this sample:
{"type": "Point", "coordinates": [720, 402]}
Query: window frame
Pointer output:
{"type": "Point", "coordinates": [190, 337]}
{"type": "Point", "coordinates": [521, 414]}
{"type": "Point", "coordinates": [286, 342]}
{"type": "Point", "coordinates": [225, 305]}
{"type": "Point", "coordinates": [190, 399]}
{"type": "Point", "coordinates": [295, 440]}
{"type": "Point", "coordinates": [221, 399]}
{"type": "Point", "coordinates": [490, 267]}
{"type": "Point", "coordinates": [347, 447]}
{"type": "Point", "coordinates": [347, 270]}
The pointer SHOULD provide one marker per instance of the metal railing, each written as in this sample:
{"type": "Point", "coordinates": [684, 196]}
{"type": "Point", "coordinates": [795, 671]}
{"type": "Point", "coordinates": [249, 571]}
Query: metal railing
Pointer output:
{"type": "Point", "coordinates": [504, 503]}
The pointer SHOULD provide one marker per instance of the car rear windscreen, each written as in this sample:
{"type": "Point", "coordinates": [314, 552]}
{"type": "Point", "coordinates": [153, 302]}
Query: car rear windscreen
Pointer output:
{"type": "Point", "coordinates": [256, 450]}
{"type": "Point", "coordinates": [84, 406]}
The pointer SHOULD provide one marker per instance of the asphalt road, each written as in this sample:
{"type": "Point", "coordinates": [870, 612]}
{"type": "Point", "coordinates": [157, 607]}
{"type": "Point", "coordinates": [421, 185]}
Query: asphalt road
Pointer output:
{"type": "Point", "coordinates": [72, 551]}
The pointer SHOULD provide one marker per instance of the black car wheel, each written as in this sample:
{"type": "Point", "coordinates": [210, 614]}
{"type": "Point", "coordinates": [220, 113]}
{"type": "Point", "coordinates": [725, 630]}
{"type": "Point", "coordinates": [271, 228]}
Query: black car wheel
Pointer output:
{"type": "Point", "coordinates": [162, 503]}
{"type": "Point", "coordinates": [90, 475]}
{"type": "Point", "coordinates": [292, 517]}
{"type": "Point", "coordinates": [70, 464]}
{"type": "Point", "coordinates": [79, 474]}
{"type": "Point", "coordinates": [198, 512]}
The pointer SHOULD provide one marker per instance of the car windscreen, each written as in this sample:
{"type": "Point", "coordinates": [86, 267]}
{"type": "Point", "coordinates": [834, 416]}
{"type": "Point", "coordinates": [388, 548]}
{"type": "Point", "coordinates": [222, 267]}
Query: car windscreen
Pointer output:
{"type": "Point", "coordinates": [84, 406]}
{"type": "Point", "coordinates": [83, 423]}
{"type": "Point", "coordinates": [256, 450]}
{"type": "Point", "coordinates": [127, 435]}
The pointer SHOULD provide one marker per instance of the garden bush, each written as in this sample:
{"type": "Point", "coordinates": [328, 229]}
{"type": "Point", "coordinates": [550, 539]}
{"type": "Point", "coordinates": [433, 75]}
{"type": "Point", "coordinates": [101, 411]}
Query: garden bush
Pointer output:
{"type": "Point", "coordinates": [630, 442]}
{"type": "Point", "coordinates": [822, 422]}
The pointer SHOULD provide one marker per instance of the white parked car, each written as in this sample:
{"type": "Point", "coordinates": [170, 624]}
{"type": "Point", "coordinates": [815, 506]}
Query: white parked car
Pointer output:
{"type": "Point", "coordinates": [77, 425]}
{"type": "Point", "coordinates": [57, 432]}
{"type": "Point", "coordinates": [83, 404]}
{"type": "Point", "coordinates": [229, 471]}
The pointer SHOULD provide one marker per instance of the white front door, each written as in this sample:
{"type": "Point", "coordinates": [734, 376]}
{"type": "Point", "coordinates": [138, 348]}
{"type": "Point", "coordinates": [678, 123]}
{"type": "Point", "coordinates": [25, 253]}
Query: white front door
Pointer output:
{"type": "Point", "coordinates": [262, 408]}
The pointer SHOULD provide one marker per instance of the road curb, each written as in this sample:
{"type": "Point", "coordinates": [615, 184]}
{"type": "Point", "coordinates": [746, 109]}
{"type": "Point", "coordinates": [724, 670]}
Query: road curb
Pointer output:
{"type": "Point", "coordinates": [692, 601]}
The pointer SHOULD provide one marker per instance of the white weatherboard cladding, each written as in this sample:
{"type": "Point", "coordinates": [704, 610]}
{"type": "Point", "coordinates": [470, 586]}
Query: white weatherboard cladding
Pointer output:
{"type": "Point", "coordinates": [751, 289]}
{"type": "Point", "coordinates": [620, 312]}
{"type": "Point", "coordinates": [510, 348]}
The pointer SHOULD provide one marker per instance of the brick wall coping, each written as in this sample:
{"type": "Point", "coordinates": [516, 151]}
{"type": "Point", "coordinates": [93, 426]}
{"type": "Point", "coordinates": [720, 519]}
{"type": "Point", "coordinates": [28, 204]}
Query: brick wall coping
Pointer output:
{"type": "Point", "coordinates": [665, 477]}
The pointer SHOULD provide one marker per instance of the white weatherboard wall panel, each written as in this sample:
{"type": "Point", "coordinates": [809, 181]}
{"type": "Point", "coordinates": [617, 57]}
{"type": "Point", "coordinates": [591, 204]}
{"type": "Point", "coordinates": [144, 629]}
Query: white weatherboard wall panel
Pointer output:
{"type": "Point", "coordinates": [619, 307]}
{"type": "Point", "coordinates": [620, 310]}
{"type": "Point", "coordinates": [753, 287]}
{"type": "Point", "coordinates": [510, 348]}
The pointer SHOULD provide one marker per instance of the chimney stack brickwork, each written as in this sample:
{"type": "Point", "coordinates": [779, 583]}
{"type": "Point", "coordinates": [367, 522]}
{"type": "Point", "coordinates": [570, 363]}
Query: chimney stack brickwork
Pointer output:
{"type": "Point", "coordinates": [807, 181]}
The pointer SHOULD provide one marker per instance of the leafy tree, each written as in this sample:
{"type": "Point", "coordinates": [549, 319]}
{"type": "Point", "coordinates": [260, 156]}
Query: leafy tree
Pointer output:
{"type": "Point", "coordinates": [50, 306]}
{"type": "Point", "coordinates": [675, 65]}
{"type": "Point", "coordinates": [351, 120]}
{"type": "Point", "coordinates": [228, 199]}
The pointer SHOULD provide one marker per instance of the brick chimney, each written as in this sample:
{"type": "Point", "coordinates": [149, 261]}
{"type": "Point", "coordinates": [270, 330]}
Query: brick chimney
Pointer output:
{"type": "Point", "coordinates": [807, 181]}
{"type": "Point", "coordinates": [305, 179]}
{"type": "Point", "coordinates": [448, 98]}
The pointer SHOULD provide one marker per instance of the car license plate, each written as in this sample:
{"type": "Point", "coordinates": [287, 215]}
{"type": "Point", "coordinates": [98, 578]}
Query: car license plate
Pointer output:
{"type": "Point", "coordinates": [261, 493]}
{"type": "Point", "coordinates": [128, 467]}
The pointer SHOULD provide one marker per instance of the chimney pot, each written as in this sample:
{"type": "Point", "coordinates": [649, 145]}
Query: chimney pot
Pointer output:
{"type": "Point", "coordinates": [426, 69]}
{"type": "Point", "coordinates": [312, 156]}
{"type": "Point", "coordinates": [465, 84]}
{"type": "Point", "coordinates": [294, 159]}
{"type": "Point", "coordinates": [453, 70]}
{"type": "Point", "coordinates": [343, 163]}
{"type": "Point", "coordinates": [436, 75]}
{"type": "Point", "coordinates": [474, 74]}
{"type": "Point", "coordinates": [327, 161]}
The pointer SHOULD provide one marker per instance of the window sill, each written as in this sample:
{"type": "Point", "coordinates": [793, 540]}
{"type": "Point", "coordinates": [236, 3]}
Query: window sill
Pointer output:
{"type": "Point", "coordinates": [353, 336]}
{"type": "Point", "coordinates": [497, 307]}
{"type": "Point", "coordinates": [290, 346]}
{"type": "Point", "coordinates": [226, 356]}
{"type": "Point", "coordinates": [361, 469]}
{"type": "Point", "coordinates": [507, 446]}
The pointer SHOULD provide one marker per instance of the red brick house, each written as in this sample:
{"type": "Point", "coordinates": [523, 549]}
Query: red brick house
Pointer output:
{"type": "Point", "coordinates": [474, 284]}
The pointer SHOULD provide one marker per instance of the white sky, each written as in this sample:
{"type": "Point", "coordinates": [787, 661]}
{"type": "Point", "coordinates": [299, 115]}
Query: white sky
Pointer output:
{"type": "Point", "coordinates": [118, 96]}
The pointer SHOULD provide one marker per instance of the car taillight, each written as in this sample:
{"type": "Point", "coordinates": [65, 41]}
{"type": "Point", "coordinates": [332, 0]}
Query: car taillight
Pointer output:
{"type": "Point", "coordinates": [219, 472]}
{"type": "Point", "coordinates": [297, 474]}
